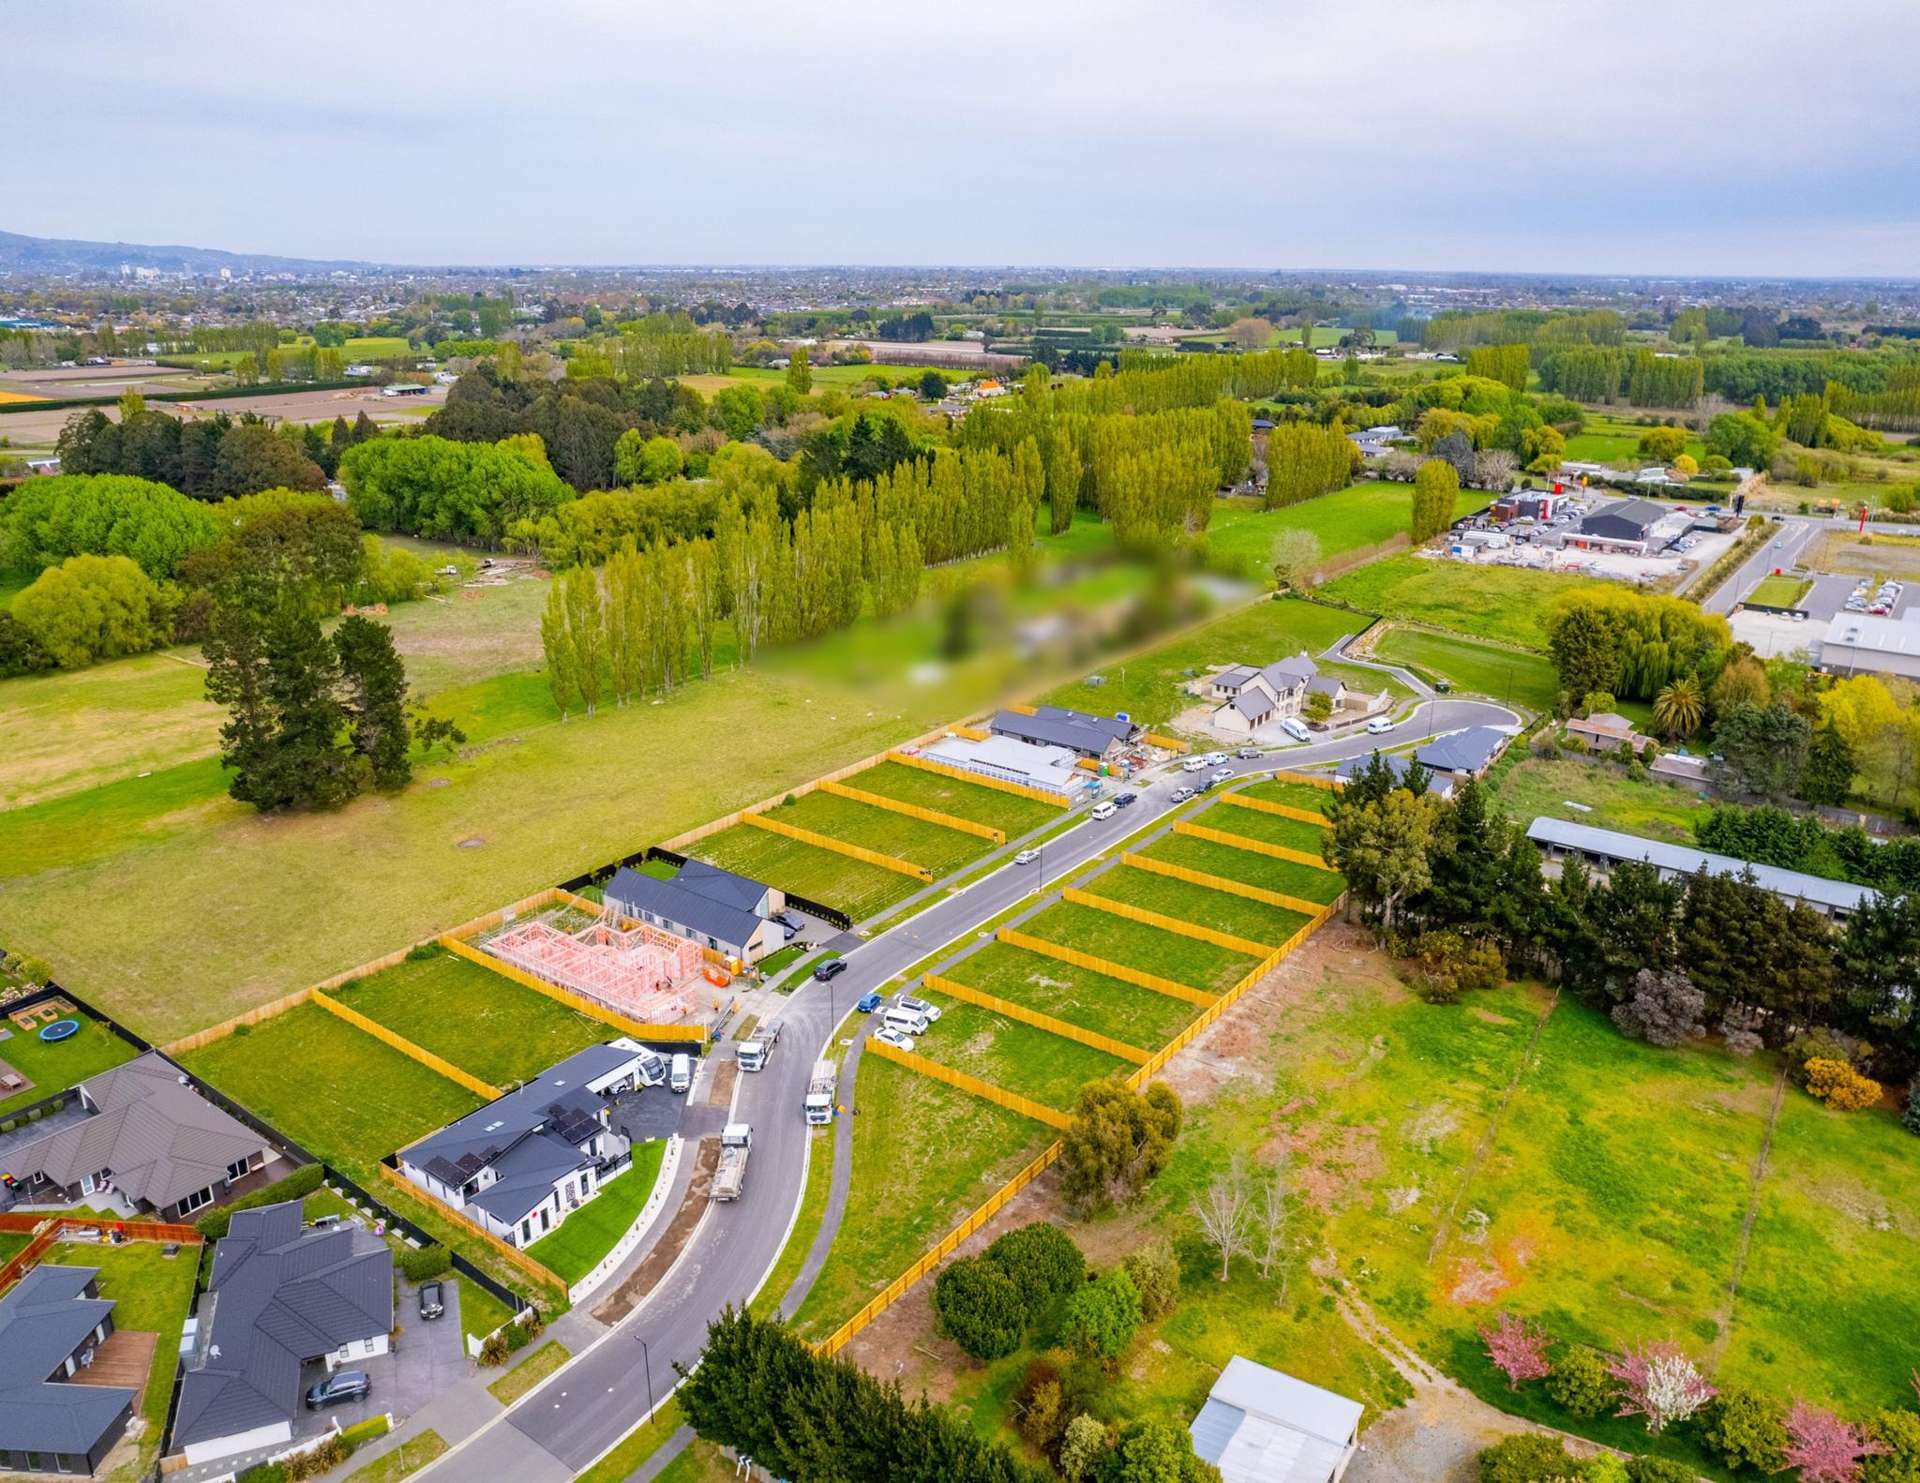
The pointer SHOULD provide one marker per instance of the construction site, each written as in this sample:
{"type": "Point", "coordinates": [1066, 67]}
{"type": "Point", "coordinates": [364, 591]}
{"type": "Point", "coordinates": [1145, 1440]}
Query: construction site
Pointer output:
{"type": "Point", "coordinates": [629, 967]}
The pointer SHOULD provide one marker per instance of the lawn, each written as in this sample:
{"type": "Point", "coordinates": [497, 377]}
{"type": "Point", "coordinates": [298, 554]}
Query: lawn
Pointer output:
{"type": "Point", "coordinates": [1612, 800]}
{"type": "Point", "coordinates": [588, 1234]}
{"type": "Point", "coordinates": [1079, 996]}
{"type": "Point", "coordinates": [1289, 877]}
{"type": "Point", "coordinates": [64, 1063]}
{"type": "Point", "coordinates": [531, 1370]}
{"type": "Point", "coordinates": [151, 1293]}
{"type": "Point", "coordinates": [1147, 685]}
{"type": "Point", "coordinates": [403, 1461]}
{"type": "Point", "coordinates": [1607, 440]}
{"type": "Point", "coordinates": [1360, 515]}
{"type": "Point", "coordinates": [1511, 676]}
{"type": "Point", "coordinates": [931, 846]}
{"type": "Point", "coordinates": [1275, 829]}
{"type": "Point", "coordinates": [857, 888]}
{"type": "Point", "coordinates": [480, 1311]}
{"type": "Point", "coordinates": [1013, 1056]}
{"type": "Point", "coordinates": [337, 1091]}
{"type": "Point", "coordinates": [1198, 965]}
{"type": "Point", "coordinates": [1005, 811]}
{"type": "Point", "coordinates": [484, 1023]}
{"type": "Point", "coordinates": [1779, 592]}
{"type": "Point", "coordinates": [1201, 905]}
{"type": "Point", "coordinates": [1294, 795]}
{"type": "Point", "coordinates": [963, 1149]}
{"type": "Point", "coordinates": [1495, 602]}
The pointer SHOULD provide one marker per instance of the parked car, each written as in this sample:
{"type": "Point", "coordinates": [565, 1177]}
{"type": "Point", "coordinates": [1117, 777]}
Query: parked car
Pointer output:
{"type": "Point", "coordinates": [926, 1011]}
{"type": "Point", "coordinates": [1379, 725]}
{"type": "Point", "coordinates": [1247, 754]}
{"type": "Point", "coordinates": [1103, 810]}
{"type": "Point", "coordinates": [894, 1038]}
{"type": "Point", "coordinates": [1214, 759]}
{"type": "Point", "coordinates": [832, 968]}
{"type": "Point", "coordinates": [339, 1387]}
{"type": "Point", "coordinates": [904, 1021]}
{"type": "Point", "coordinates": [1194, 764]}
{"type": "Point", "coordinates": [1444, 687]}
{"type": "Point", "coordinates": [789, 921]}
{"type": "Point", "coordinates": [680, 1078]}
{"type": "Point", "coordinates": [1026, 857]}
{"type": "Point", "coordinates": [1181, 795]}
{"type": "Point", "coordinates": [869, 1002]}
{"type": "Point", "coordinates": [1220, 774]}
{"type": "Point", "coordinates": [1124, 800]}
{"type": "Point", "coordinates": [432, 1300]}
{"type": "Point", "coordinates": [1295, 729]}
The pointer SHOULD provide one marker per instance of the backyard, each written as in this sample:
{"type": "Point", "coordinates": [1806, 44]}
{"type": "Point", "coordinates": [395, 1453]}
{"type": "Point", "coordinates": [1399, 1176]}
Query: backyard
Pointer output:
{"type": "Point", "coordinates": [1010, 1055]}
{"type": "Point", "coordinates": [1203, 906]}
{"type": "Point", "coordinates": [931, 846]}
{"type": "Point", "coordinates": [590, 1232]}
{"type": "Point", "coordinates": [1184, 960]}
{"type": "Point", "coordinates": [54, 1066]}
{"type": "Point", "coordinates": [1008, 812]}
{"type": "Point", "coordinates": [1250, 868]}
{"type": "Point", "coordinates": [854, 886]}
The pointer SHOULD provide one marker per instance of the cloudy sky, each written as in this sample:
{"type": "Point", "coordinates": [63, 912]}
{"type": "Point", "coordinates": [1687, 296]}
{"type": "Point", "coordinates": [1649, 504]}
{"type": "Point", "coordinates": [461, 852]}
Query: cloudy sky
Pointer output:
{"type": "Point", "coordinates": [1685, 136]}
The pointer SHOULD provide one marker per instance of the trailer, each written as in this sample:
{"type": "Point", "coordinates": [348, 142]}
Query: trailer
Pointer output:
{"type": "Point", "coordinates": [736, 1142]}
{"type": "Point", "coordinates": [818, 1105]}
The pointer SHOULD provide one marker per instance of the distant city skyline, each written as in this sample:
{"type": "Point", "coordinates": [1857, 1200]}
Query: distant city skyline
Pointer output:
{"type": "Point", "coordinates": [1709, 139]}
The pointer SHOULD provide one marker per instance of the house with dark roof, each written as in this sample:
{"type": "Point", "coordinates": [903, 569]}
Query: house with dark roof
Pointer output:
{"type": "Point", "coordinates": [705, 904]}
{"type": "Point", "coordinates": [1402, 767]}
{"type": "Point", "coordinates": [148, 1142]}
{"type": "Point", "coordinates": [282, 1296]}
{"type": "Point", "coordinates": [51, 1419]}
{"type": "Point", "coordinates": [526, 1161]}
{"type": "Point", "coordinates": [1463, 754]}
{"type": "Point", "coordinates": [1098, 737]}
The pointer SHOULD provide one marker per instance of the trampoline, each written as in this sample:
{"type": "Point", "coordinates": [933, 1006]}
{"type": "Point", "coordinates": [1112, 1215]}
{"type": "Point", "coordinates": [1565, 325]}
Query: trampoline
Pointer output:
{"type": "Point", "coordinates": [60, 1030]}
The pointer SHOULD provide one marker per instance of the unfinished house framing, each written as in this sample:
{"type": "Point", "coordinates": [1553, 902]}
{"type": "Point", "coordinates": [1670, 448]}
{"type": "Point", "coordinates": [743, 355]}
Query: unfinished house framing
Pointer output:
{"type": "Point", "coordinates": [640, 971]}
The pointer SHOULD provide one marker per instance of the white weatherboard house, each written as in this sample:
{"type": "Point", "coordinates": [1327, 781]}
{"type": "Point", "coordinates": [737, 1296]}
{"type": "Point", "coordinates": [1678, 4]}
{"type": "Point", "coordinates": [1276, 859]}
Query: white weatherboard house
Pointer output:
{"type": "Point", "coordinates": [1262, 1426]}
{"type": "Point", "coordinates": [1251, 698]}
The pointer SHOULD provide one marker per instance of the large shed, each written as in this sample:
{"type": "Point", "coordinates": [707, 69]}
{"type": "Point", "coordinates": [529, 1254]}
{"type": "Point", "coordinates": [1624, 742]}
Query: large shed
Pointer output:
{"type": "Point", "coordinates": [1261, 1425]}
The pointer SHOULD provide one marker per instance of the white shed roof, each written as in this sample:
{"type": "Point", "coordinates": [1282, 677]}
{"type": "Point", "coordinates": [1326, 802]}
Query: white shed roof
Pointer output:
{"type": "Point", "coordinates": [1260, 1425]}
{"type": "Point", "coordinates": [1880, 635]}
{"type": "Point", "coordinates": [1794, 885]}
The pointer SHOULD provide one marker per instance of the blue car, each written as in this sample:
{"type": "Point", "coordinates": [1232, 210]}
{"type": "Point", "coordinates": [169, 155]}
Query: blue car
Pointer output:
{"type": "Point", "coordinates": [868, 1003]}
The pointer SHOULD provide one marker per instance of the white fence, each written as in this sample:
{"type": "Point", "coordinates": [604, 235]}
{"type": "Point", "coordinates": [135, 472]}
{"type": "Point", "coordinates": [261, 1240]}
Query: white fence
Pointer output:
{"type": "Point", "coordinates": [656, 1202]}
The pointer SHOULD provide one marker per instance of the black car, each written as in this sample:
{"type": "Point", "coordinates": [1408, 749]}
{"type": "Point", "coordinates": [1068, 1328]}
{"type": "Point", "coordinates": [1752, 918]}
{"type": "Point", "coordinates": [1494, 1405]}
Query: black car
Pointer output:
{"type": "Point", "coordinates": [1123, 799]}
{"type": "Point", "coordinates": [832, 968]}
{"type": "Point", "coordinates": [340, 1386]}
{"type": "Point", "coordinates": [788, 920]}
{"type": "Point", "coordinates": [432, 1300]}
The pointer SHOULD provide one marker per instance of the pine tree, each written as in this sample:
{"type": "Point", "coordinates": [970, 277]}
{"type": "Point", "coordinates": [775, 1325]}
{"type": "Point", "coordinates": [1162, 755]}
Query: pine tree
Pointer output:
{"type": "Point", "coordinates": [374, 688]}
{"type": "Point", "coordinates": [236, 655]}
{"type": "Point", "coordinates": [306, 767]}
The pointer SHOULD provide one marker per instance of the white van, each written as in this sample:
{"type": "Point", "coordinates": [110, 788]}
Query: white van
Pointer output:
{"type": "Point", "coordinates": [1295, 729]}
{"type": "Point", "coordinates": [905, 1021]}
{"type": "Point", "coordinates": [1104, 810]}
{"type": "Point", "coordinates": [1194, 764]}
{"type": "Point", "coordinates": [680, 1079]}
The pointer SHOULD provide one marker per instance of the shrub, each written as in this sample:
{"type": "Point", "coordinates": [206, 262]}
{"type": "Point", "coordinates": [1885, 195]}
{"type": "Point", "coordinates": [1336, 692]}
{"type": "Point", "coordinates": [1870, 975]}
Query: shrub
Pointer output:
{"type": "Point", "coordinates": [1839, 1086]}
{"type": "Point", "coordinates": [1080, 1448]}
{"type": "Point", "coordinates": [1117, 1142]}
{"type": "Point", "coordinates": [1528, 1457]}
{"type": "Point", "coordinates": [421, 1264]}
{"type": "Point", "coordinates": [1102, 1317]}
{"type": "Point", "coordinates": [1042, 1262]}
{"type": "Point", "coordinates": [1816, 1045]}
{"type": "Point", "coordinates": [420, 952]}
{"type": "Point", "coordinates": [1577, 745]}
{"type": "Point", "coordinates": [1745, 1428]}
{"type": "Point", "coordinates": [264, 1472]}
{"type": "Point", "coordinates": [1155, 1271]}
{"type": "Point", "coordinates": [296, 1186]}
{"type": "Point", "coordinates": [1153, 1452]}
{"type": "Point", "coordinates": [516, 1336]}
{"type": "Point", "coordinates": [1659, 1470]}
{"type": "Point", "coordinates": [1579, 1382]}
{"type": "Point", "coordinates": [1043, 1416]}
{"type": "Point", "coordinates": [1447, 965]}
{"type": "Point", "coordinates": [1899, 1433]}
{"type": "Point", "coordinates": [493, 1349]}
{"type": "Point", "coordinates": [979, 1308]}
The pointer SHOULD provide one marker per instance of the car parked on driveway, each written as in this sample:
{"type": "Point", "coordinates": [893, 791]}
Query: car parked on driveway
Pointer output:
{"type": "Point", "coordinates": [832, 968]}
{"type": "Point", "coordinates": [432, 1300]}
{"type": "Point", "coordinates": [338, 1388]}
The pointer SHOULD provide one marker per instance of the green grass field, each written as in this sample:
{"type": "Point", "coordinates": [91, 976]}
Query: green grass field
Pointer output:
{"type": "Point", "coordinates": [481, 1021]}
{"type": "Point", "coordinates": [1294, 795]}
{"type": "Point", "coordinates": [1013, 1056]}
{"type": "Point", "coordinates": [899, 1206]}
{"type": "Point", "coordinates": [590, 1232]}
{"type": "Point", "coordinates": [857, 888]}
{"type": "Point", "coordinates": [1494, 602]}
{"type": "Point", "coordinates": [1289, 877]}
{"type": "Point", "coordinates": [1198, 965]}
{"type": "Point", "coordinates": [1779, 592]}
{"type": "Point", "coordinates": [1005, 811]}
{"type": "Point", "coordinates": [1611, 799]}
{"type": "Point", "coordinates": [1360, 515]}
{"type": "Point", "coordinates": [1610, 440]}
{"type": "Point", "coordinates": [64, 1063]}
{"type": "Point", "coordinates": [1200, 905]}
{"type": "Point", "coordinates": [931, 846]}
{"type": "Point", "coordinates": [1511, 676]}
{"type": "Point", "coordinates": [1079, 996]}
{"type": "Point", "coordinates": [333, 1089]}
{"type": "Point", "coordinates": [1293, 834]}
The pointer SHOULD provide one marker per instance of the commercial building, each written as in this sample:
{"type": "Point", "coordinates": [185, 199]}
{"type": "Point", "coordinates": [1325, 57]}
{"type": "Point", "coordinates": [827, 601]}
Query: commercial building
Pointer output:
{"type": "Point", "coordinates": [51, 1419]}
{"type": "Point", "coordinates": [1050, 769]}
{"type": "Point", "coordinates": [1624, 525]}
{"type": "Point", "coordinates": [705, 904]}
{"type": "Point", "coordinates": [1857, 643]}
{"type": "Point", "coordinates": [1261, 1425]}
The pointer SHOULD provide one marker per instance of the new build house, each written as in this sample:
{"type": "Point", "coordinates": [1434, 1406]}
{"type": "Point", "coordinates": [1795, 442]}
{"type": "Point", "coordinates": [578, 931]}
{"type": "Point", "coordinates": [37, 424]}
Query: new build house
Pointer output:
{"type": "Point", "coordinates": [524, 1162]}
{"type": "Point", "coordinates": [51, 1419]}
{"type": "Point", "coordinates": [285, 1303]}
{"type": "Point", "coordinates": [705, 904]}
{"type": "Point", "coordinates": [1251, 698]}
{"type": "Point", "coordinates": [1097, 737]}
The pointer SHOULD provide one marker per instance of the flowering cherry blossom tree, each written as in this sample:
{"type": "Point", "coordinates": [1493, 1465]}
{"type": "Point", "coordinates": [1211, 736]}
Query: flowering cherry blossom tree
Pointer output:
{"type": "Point", "coordinates": [1825, 1448]}
{"type": "Point", "coordinates": [1660, 1383]}
{"type": "Point", "coordinates": [1518, 1350]}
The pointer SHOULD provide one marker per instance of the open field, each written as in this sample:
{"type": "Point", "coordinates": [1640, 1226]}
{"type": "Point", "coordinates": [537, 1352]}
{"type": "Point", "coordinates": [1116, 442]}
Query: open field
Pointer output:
{"type": "Point", "coordinates": [1511, 676]}
{"type": "Point", "coordinates": [1875, 556]}
{"type": "Point", "coordinates": [1289, 877]}
{"type": "Point", "coordinates": [1293, 834]}
{"type": "Point", "coordinates": [1005, 811]}
{"type": "Point", "coordinates": [1200, 905]}
{"type": "Point", "coordinates": [590, 1232]}
{"type": "Point", "coordinates": [482, 1022]}
{"type": "Point", "coordinates": [898, 1207]}
{"type": "Point", "coordinates": [1779, 592]}
{"type": "Point", "coordinates": [1612, 800]}
{"type": "Point", "coordinates": [857, 888]}
{"type": "Point", "coordinates": [63, 1063]}
{"type": "Point", "coordinates": [1079, 996]}
{"type": "Point", "coordinates": [931, 846]}
{"type": "Point", "coordinates": [1363, 514]}
{"type": "Point", "coordinates": [1294, 795]}
{"type": "Point", "coordinates": [1198, 965]}
{"type": "Point", "coordinates": [1012, 1056]}
{"type": "Point", "coordinates": [333, 1089]}
{"type": "Point", "coordinates": [1494, 602]}
{"type": "Point", "coordinates": [1604, 439]}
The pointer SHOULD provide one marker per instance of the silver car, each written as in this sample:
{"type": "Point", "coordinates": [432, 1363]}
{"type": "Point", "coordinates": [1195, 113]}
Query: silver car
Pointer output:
{"type": "Point", "coordinates": [926, 1011]}
{"type": "Point", "coordinates": [894, 1038]}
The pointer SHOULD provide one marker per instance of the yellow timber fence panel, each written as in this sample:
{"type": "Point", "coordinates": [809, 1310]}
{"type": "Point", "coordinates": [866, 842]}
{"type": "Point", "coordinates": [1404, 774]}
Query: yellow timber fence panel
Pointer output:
{"type": "Point", "coordinates": [944, 1248]}
{"type": "Point", "coordinates": [690, 1033]}
{"type": "Point", "coordinates": [1034, 1017]}
{"type": "Point", "coordinates": [1166, 743]}
{"type": "Point", "coordinates": [1100, 965]}
{"type": "Point", "coordinates": [539, 1271]}
{"type": "Point", "coordinates": [915, 811]}
{"type": "Point", "coordinates": [1284, 810]}
{"type": "Point", "coordinates": [1256, 846]}
{"type": "Point", "coordinates": [971, 733]}
{"type": "Point", "coordinates": [1311, 779]}
{"type": "Point", "coordinates": [1020, 710]}
{"type": "Point", "coordinates": [1166, 923]}
{"type": "Point", "coordinates": [483, 1090]}
{"type": "Point", "coordinates": [948, 770]}
{"type": "Point", "coordinates": [1221, 883]}
{"type": "Point", "coordinates": [986, 1090]}
{"type": "Point", "coordinates": [839, 846]}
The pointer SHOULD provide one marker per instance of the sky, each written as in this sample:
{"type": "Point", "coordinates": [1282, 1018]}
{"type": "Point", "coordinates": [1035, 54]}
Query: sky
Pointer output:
{"type": "Point", "coordinates": [1686, 137]}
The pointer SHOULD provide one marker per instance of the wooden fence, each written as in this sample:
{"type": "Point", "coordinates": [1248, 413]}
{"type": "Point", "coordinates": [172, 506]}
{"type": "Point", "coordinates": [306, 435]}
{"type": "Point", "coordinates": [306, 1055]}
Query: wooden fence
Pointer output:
{"type": "Point", "coordinates": [1166, 743]}
{"type": "Point", "coordinates": [48, 1230]}
{"type": "Point", "coordinates": [1311, 779]}
{"type": "Point", "coordinates": [1018, 709]}
{"type": "Point", "coordinates": [1120, 971]}
{"type": "Point", "coordinates": [636, 1028]}
{"type": "Point", "coordinates": [915, 811]}
{"type": "Point", "coordinates": [485, 1091]}
{"type": "Point", "coordinates": [970, 733]}
{"type": "Point", "coordinates": [1166, 923]}
{"type": "Point", "coordinates": [1284, 810]}
{"type": "Point", "coordinates": [512, 1254]}
{"type": "Point", "coordinates": [1034, 1017]}
{"type": "Point", "coordinates": [985, 1090]}
{"type": "Point", "coordinates": [1247, 842]}
{"type": "Point", "coordinates": [948, 770]}
{"type": "Point", "coordinates": [839, 846]}
{"type": "Point", "coordinates": [1221, 883]}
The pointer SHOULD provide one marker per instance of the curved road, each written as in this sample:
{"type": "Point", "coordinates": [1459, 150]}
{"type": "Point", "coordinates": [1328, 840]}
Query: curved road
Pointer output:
{"type": "Point", "coordinates": [567, 1422]}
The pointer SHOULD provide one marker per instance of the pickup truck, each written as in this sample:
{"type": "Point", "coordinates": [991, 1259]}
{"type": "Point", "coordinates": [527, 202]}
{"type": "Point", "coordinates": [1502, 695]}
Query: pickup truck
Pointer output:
{"type": "Point", "coordinates": [736, 1142]}
{"type": "Point", "coordinates": [818, 1105]}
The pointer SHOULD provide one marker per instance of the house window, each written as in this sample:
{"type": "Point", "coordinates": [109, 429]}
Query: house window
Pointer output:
{"type": "Point", "coordinates": [526, 1230]}
{"type": "Point", "coordinates": [196, 1200]}
{"type": "Point", "coordinates": [238, 1169]}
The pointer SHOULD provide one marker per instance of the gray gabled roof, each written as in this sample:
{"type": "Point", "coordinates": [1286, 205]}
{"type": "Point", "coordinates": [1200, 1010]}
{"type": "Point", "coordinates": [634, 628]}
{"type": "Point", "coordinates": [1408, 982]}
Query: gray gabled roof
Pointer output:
{"type": "Point", "coordinates": [1639, 513]}
{"type": "Point", "coordinates": [1056, 726]}
{"type": "Point", "coordinates": [1463, 751]}
{"type": "Point", "coordinates": [157, 1137]}
{"type": "Point", "coordinates": [1260, 1425]}
{"type": "Point", "coordinates": [43, 1320]}
{"type": "Point", "coordinates": [1253, 704]}
{"type": "Point", "coordinates": [698, 910]}
{"type": "Point", "coordinates": [720, 885]}
{"type": "Point", "coordinates": [1326, 685]}
{"type": "Point", "coordinates": [280, 1295]}
{"type": "Point", "coordinates": [1234, 676]}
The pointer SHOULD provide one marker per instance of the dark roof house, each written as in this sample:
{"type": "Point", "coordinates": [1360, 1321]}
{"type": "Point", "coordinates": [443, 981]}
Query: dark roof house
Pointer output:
{"type": "Point", "coordinates": [1056, 726]}
{"type": "Point", "coordinates": [1466, 753]}
{"type": "Point", "coordinates": [49, 1323]}
{"type": "Point", "coordinates": [701, 900]}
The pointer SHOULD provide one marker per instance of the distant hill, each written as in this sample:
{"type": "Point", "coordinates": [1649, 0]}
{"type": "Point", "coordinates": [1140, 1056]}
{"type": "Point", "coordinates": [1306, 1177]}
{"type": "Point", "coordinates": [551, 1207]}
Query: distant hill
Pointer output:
{"type": "Point", "coordinates": [22, 254]}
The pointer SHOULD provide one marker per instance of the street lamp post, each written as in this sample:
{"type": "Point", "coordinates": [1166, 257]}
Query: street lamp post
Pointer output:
{"type": "Point", "coordinates": [646, 1356]}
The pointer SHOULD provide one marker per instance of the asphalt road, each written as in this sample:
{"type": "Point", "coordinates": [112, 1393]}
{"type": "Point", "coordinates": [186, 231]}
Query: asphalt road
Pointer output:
{"type": "Point", "coordinates": [563, 1425]}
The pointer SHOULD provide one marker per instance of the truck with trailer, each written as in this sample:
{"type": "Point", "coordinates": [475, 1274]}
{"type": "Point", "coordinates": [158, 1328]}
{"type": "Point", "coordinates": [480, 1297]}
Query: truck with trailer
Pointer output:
{"type": "Point", "coordinates": [754, 1053]}
{"type": "Point", "coordinates": [818, 1105]}
{"type": "Point", "coordinates": [736, 1142]}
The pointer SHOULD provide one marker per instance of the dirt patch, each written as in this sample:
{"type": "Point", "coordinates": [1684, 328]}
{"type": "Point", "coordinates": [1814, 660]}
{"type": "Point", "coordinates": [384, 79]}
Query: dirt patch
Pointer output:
{"type": "Point", "coordinates": [1329, 1163]}
{"type": "Point", "coordinates": [1488, 1016]}
{"type": "Point", "coordinates": [720, 1094]}
{"type": "Point", "coordinates": [472, 842]}
{"type": "Point", "coordinates": [1430, 1125]}
{"type": "Point", "coordinates": [1476, 1281]}
{"type": "Point", "coordinates": [666, 1251]}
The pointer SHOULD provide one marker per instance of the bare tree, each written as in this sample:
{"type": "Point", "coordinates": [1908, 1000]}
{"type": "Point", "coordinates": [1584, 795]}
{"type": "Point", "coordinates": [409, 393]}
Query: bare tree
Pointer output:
{"type": "Point", "coordinates": [1222, 1213]}
{"type": "Point", "coordinates": [1273, 1224]}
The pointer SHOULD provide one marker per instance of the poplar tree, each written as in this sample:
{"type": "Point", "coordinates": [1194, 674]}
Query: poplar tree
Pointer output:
{"type": "Point", "coordinates": [556, 640]}
{"type": "Point", "coordinates": [1063, 481]}
{"type": "Point", "coordinates": [703, 599]}
{"type": "Point", "coordinates": [586, 628]}
{"type": "Point", "coordinates": [800, 371]}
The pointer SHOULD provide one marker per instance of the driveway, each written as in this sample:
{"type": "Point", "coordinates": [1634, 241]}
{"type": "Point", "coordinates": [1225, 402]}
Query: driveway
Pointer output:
{"type": "Point", "coordinates": [425, 1358]}
{"type": "Point", "coordinates": [651, 1112]}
